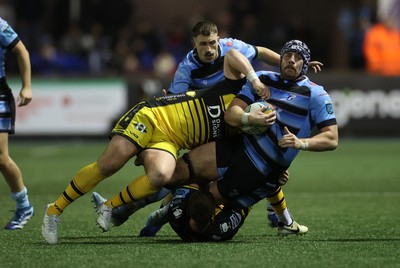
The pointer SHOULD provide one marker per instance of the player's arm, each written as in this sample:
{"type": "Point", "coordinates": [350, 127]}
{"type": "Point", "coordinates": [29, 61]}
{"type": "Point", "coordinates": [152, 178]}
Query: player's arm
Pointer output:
{"type": "Point", "coordinates": [237, 117]}
{"type": "Point", "coordinates": [236, 66]}
{"type": "Point", "coordinates": [326, 140]}
{"type": "Point", "coordinates": [272, 58]}
{"type": "Point", "coordinates": [268, 56]}
{"type": "Point", "coordinates": [24, 64]}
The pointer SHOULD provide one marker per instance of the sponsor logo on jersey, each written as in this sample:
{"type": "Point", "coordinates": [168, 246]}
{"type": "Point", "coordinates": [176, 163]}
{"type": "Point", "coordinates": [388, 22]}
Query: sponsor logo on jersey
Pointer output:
{"type": "Point", "coordinates": [215, 112]}
{"type": "Point", "coordinates": [191, 93]}
{"type": "Point", "coordinates": [291, 97]}
{"type": "Point", "coordinates": [224, 227]}
{"type": "Point", "coordinates": [7, 31]}
{"type": "Point", "coordinates": [177, 213]}
{"type": "Point", "coordinates": [329, 107]}
{"type": "Point", "coordinates": [141, 127]}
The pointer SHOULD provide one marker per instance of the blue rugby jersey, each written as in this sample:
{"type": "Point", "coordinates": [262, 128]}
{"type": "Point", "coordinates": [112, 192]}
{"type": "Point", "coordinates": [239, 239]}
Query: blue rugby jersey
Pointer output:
{"type": "Point", "coordinates": [194, 74]}
{"type": "Point", "coordinates": [300, 106]}
{"type": "Point", "coordinates": [8, 39]}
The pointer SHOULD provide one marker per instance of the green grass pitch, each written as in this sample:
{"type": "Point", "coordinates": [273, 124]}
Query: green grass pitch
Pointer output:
{"type": "Point", "coordinates": [349, 199]}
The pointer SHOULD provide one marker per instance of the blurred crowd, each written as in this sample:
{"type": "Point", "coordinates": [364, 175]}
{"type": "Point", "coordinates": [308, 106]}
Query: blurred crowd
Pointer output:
{"type": "Point", "coordinates": [99, 37]}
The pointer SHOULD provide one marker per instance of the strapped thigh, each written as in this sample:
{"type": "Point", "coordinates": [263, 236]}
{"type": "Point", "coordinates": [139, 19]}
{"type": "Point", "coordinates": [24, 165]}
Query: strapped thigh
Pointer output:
{"type": "Point", "coordinates": [189, 164]}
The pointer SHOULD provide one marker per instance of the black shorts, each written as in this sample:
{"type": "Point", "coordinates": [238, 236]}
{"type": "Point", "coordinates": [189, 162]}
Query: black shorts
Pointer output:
{"type": "Point", "coordinates": [7, 108]}
{"type": "Point", "coordinates": [241, 183]}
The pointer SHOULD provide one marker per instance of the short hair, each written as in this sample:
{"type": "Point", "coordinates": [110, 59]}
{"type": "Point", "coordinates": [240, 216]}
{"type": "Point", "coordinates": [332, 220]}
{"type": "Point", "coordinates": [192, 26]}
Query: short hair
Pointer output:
{"type": "Point", "coordinates": [205, 28]}
{"type": "Point", "coordinates": [201, 206]}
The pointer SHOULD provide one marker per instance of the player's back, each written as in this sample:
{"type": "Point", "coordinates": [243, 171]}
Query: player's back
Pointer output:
{"type": "Point", "coordinates": [194, 117]}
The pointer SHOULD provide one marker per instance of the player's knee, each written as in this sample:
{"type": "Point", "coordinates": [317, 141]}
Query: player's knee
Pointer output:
{"type": "Point", "coordinates": [182, 173]}
{"type": "Point", "coordinates": [159, 178]}
{"type": "Point", "coordinates": [5, 162]}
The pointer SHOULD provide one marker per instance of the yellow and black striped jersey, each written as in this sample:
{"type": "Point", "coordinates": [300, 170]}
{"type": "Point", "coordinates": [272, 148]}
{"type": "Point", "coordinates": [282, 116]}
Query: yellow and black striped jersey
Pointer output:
{"type": "Point", "coordinates": [179, 121]}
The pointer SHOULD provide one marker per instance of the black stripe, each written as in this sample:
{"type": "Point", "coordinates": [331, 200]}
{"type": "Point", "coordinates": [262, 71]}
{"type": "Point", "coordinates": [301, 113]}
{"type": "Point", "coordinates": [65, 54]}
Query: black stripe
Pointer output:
{"type": "Point", "coordinates": [130, 194]}
{"type": "Point", "coordinates": [288, 107]}
{"type": "Point", "coordinates": [5, 115]}
{"type": "Point", "coordinates": [205, 124]}
{"type": "Point", "coordinates": [290, 86]}
{"type": "Point", "coordinates": [326, 123]}
{"type": "Point", "coordinates": [208, 69]}
{"type": "Point", "coordinates": [199, 108]}
{"type": "Point", "coordinates": [279, 202]}
{"type": "Point", "coordinates": [122, 199]}
{"type": "Point", "coordinates": [76, 189]}
{"type": "Point", "coordinates": [260, 152]}
{"type": "Point", "coordinates": [67, 197]}
{"type": "Point", "coordinates": [13, 43]}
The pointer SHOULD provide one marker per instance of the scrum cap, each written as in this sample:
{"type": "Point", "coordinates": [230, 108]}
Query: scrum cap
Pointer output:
{"type": "Point", "coordinates": [300, 48]}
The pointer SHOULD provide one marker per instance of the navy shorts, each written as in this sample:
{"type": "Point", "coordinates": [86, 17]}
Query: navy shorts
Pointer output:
{"type": "Point", "coordinates": [242, 183]}
{"type": "Point", "coordinates": [7, 108]}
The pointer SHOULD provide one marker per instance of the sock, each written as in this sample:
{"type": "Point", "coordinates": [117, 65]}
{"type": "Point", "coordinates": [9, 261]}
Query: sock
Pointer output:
{"type": "Point", "coordinates": [138, 189]}
{"type": "Point", "coordinates": [270, 209]}
{"type": "Point", "coordinates": [278, 203]}
{"type": "Point", "coordinates": [159, 195]}
{"type": "Point", "coordinates": [21, 198]}
{"type": "Point", "coordinates": [286, 218]}
{"type": "Point", "coordinates": [84, 181]}
{"type": "Point", "coordinates": [126, 211]}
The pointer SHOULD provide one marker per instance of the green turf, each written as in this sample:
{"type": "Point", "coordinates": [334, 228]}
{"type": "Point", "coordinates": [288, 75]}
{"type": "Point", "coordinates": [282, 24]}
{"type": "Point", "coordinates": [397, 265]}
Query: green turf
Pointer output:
{"type": "Point", "coordinates": [348, 198]}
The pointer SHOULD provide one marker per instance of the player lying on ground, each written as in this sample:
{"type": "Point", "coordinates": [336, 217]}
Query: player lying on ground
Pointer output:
{"type": "Point", "coordinates": [194, 215]}
{"type": "Point", "coordinates": [221, 228]}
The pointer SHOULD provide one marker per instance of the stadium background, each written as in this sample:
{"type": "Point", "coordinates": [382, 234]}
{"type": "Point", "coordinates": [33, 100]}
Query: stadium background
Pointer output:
{"type": "Point", "coordinates": [93, 59]}
{"type": "Point", "coordinates": [85, 73]}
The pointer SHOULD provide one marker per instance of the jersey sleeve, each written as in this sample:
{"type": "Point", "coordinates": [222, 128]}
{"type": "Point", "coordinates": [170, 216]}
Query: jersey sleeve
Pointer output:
{"type": "Point", "coordinates": [249, 51]}
{"type": "Point", "coordinates": [321, 108]}
{"type": "Point", "coordinates": [182, 79]}
{"type": "Point", "coordinates": [8, 37]}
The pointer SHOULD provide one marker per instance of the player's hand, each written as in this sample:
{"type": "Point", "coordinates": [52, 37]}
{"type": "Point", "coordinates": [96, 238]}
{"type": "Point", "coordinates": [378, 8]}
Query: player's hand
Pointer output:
{"type": "Point", "coordinates": [164, 91]}
{"type": "Point", "coordinates": [283, 177]}
{"type": "Point", "coordinates": [316, 66]}
{"type": "Point", "coordinates": [261, 89]}
{"type": "Point", "coordinates": [289, 140]}
{"type": "Point", "coordinates": [261, 118]}
{"type": "Point", "coordinates": [24, 97]}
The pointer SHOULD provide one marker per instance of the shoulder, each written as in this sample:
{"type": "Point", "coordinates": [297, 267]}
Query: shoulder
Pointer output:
{"type": "Point", "coordinates": [313, 86]}
{"type": "Point", "coordinates": [3, 22]}
{"type": "Point", "coordinates": [229, 43]}
{"type": "Point", "coordinates": [189, 62]}
{"type": "Point", "coordinates": [4, 26]}
{"type": "Point", "coordinates": [267, 76]}
{"type": "Point", "coordinates": [318, 92]}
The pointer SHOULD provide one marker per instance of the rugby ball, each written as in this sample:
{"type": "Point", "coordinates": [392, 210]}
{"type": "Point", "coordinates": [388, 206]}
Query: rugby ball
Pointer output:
{"type": "Point", "coordinates": [254, 129]}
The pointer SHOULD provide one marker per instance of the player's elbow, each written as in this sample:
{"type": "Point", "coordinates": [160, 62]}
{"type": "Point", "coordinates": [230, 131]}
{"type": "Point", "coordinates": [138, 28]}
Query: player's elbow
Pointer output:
{"type": "Point", "coordinates": [334, 144]}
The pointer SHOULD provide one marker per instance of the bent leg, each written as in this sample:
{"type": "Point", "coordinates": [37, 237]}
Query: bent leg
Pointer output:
{"type": "Point", "coordinates": [115, 156]}
{"type": "Point", "coordinates": [200, 167]}
{"type": "Point", "coordinates": [159, 166]}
